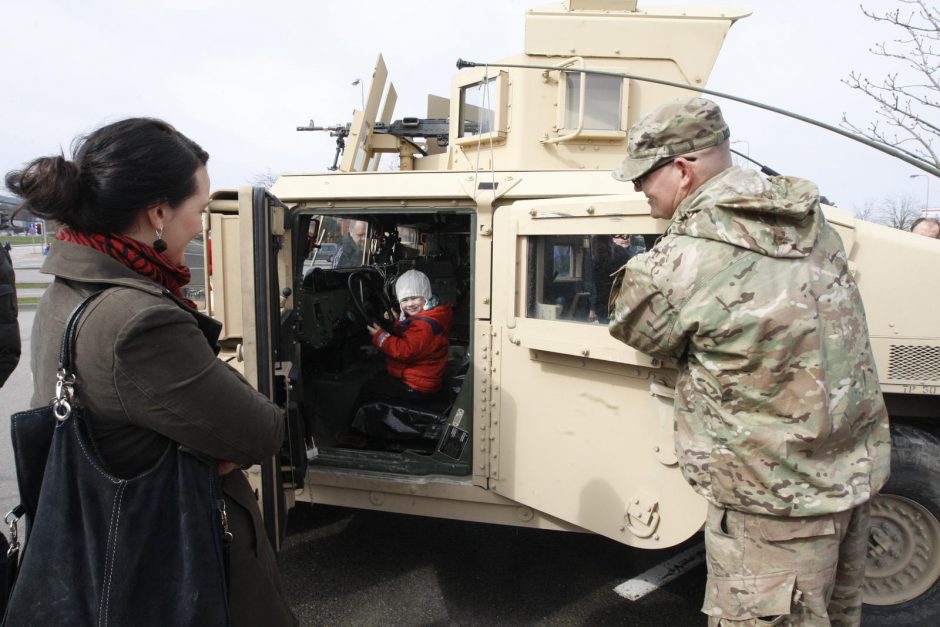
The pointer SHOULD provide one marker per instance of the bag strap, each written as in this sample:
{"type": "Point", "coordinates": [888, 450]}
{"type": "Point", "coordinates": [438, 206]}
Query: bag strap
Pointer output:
{"type": "Point", "coordinates": [65, 378]}
{"type": "Point", "coordinates": [67, 347]}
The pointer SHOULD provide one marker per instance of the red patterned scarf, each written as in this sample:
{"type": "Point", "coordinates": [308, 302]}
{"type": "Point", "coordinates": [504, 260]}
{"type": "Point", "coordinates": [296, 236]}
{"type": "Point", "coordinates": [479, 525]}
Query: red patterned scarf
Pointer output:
{"type": "Point", "coordinates": [140, 258]}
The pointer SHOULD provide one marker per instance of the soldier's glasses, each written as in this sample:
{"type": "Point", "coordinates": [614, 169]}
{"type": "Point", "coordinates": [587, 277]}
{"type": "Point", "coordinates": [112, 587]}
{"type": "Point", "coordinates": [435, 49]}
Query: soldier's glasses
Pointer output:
{"type": "Point", "coordinates": [638, 181]}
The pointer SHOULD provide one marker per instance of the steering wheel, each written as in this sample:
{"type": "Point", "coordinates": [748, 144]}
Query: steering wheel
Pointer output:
{"type": "Point", "coordinates": [367, 289]}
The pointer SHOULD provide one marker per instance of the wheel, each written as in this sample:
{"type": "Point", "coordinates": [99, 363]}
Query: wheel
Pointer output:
{"type": "Point", "coordinates": [902, 574]}
{"type": "Point", "coordinates": [367, 288]}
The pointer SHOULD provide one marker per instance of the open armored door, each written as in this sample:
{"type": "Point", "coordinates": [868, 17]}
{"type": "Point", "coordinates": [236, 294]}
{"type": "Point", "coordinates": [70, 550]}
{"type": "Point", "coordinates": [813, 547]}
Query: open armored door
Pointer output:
{"type": "Point", "coordinates": [263, 237]}
{"type": "Point", "coordinates": [581, 427]}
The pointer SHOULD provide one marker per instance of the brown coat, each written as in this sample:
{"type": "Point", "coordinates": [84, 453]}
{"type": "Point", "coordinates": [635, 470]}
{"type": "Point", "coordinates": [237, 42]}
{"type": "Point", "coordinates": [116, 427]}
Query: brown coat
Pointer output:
{"type": "Point", "coordinates": [147, 372]}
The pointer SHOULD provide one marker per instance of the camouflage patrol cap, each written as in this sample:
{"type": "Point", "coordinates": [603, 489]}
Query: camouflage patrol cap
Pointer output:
{"type": "Point", "coordinates": [677, 128]}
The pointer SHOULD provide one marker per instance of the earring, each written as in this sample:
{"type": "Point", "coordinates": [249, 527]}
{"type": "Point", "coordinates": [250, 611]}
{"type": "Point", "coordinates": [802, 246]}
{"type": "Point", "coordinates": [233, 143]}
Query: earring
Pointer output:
{"type": "Point", "coordinates": [158, 244]}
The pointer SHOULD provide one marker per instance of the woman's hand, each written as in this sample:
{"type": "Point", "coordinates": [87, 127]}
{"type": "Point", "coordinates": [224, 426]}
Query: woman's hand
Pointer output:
{"type": "Point", "coordinates": [373, 329]}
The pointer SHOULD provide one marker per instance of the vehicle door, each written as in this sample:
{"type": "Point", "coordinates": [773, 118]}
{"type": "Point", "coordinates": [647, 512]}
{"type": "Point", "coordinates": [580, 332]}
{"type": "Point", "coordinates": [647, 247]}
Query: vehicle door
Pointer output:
{"type": "Point", "coordinates": [248, 288]}
{"type": "Point", "coordinates": [581, 424]}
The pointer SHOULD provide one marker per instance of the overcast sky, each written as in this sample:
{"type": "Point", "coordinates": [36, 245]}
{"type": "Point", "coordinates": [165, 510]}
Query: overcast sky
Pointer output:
{"type": "Point", "coordinates": [238, 76]}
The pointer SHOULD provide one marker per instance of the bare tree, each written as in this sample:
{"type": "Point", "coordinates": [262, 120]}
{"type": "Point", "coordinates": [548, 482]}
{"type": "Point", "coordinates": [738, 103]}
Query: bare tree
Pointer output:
{"type": "Point", "coordinates": [868, 212]}
{"type": "Point", "coordinates": [899, 212]}
{"type": "Point", "coordinates": [908, 100]}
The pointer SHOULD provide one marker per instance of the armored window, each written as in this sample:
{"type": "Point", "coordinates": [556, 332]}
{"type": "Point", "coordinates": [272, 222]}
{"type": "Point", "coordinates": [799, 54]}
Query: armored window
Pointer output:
{"type": "Point", "coordinates": [359, 164]}
{"type": "Point", "coordinates": [563, 262]}
{"type": "Point", "coordinates": [408, 236]}
{"type": "Point", "coordinates": [483, 108]}
{"type": "Point", "coordinates": [570, 276]}
{"type": "Point", "coordinates": [477, 112]}
{"type": "Point", "coordinates": [602, 101]}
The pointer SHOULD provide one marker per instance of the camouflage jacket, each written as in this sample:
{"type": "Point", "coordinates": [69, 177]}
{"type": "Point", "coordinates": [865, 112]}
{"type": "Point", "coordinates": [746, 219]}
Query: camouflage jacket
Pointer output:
{"type": "Point", "coordinates": [778, 408]}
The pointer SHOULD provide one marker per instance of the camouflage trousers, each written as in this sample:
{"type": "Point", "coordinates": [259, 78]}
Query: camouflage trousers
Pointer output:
{"type": "Point", "coordinates": [767, 570]}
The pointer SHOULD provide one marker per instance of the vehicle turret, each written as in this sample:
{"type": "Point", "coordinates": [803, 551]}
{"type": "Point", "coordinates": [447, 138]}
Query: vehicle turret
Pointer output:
{"type": "Point", "coordinates": [524, 119]}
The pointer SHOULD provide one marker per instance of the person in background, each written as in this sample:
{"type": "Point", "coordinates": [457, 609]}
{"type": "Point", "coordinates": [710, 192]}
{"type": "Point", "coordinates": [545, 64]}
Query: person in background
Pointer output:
{"type": "Point", "coordinates": [349, 253]}
{"type": "Point", "coordinates": [780, 421]}
{"type": "Point", "coordinates": [9, 327]}
{"type": "Point", "coordinates": [637, 245]}
{"type": "Point", "coordinates": [130, 201]}
{"type": "Point", "coordinates": [928, 227]}
{"type": "Point", "coordinates": [606, 258]}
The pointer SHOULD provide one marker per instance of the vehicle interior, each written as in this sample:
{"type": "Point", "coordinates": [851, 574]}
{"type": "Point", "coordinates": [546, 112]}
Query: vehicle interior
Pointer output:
{"type": "Point", "coordinates": [336, 297]}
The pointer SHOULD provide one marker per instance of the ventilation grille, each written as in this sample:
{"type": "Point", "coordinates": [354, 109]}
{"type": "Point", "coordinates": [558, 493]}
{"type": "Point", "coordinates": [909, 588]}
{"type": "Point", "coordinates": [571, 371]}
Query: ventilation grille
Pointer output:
{"type": "Point", "coordinates": [914, 363]}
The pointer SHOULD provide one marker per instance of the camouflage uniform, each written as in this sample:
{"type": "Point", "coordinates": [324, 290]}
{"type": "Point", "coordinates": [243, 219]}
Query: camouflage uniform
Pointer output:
{"type": "Point", "coordinates": [780, 423]}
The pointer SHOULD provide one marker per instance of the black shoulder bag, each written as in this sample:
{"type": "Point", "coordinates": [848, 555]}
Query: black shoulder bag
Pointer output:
{"type": "Point", "coordinates": [101, 550]}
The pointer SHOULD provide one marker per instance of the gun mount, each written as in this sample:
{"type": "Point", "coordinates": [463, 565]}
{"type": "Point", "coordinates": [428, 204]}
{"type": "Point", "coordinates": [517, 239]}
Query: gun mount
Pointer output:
{"type": "Point", "coordinates": [406, 129]}
{"type": "Point", "coordinates": [339, 131]}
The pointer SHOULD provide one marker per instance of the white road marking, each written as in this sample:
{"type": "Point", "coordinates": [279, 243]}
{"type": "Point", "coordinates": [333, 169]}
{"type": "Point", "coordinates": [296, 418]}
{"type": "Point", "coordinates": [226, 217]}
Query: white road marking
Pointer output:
{"type": "Point", "coordinates": [661, 574]}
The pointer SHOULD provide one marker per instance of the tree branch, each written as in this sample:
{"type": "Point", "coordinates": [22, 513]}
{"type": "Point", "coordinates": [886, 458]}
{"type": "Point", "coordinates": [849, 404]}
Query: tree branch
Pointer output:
{"type": "Point", "coordinates": [906, 105]}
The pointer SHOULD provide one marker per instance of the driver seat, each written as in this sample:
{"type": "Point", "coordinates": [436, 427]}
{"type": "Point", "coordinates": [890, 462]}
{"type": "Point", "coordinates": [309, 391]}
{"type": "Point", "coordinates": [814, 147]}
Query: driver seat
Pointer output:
{"type": "Point", "coordinates": [414, 425]}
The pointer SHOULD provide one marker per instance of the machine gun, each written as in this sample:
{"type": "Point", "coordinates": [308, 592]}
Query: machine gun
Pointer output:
{"type": "Point", "coordinates": [338, 131]}
{"type": "Point", "coordinates": [408, 129]}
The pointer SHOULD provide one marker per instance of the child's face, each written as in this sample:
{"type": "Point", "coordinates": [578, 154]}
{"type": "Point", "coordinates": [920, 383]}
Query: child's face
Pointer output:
{"type": "Point", "coordinates": [412, 305]}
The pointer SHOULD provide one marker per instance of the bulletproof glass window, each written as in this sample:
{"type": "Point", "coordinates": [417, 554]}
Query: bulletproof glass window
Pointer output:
{"type": "Point", "coordinates": [478, 107]}
{"type": "Point", "coordinates": [602, 101]}
{"type": "Point", "coordinates": [359, 164]}
{"type": "Point", "coordinates": [329, 240]}
{"type": "Point", "coordinates": [408, 236]}
{"type": "Point", "coordinates": [563, 262]}
{"type": "Point", "coordinates": [569, 276]}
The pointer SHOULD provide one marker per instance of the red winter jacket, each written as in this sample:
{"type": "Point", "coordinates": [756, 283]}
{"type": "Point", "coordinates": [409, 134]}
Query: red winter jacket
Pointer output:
{"type": "Point", "coordinates": [416, 349]}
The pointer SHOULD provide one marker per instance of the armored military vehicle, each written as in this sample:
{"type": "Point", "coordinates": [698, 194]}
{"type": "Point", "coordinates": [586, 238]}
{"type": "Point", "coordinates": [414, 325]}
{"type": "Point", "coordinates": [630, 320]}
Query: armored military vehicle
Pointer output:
{"type": "Point", "coordinates": [502, 195]}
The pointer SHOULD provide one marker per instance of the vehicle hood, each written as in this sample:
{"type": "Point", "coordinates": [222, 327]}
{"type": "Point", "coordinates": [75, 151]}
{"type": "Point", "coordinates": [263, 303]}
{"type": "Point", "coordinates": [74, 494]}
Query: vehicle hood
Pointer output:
{"type": "Point", "coordinates": [777, 216]}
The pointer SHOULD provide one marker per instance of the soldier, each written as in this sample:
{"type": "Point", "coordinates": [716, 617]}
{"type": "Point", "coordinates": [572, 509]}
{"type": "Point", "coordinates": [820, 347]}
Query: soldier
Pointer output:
{"type": "Point", "coordinates": [780, 423]}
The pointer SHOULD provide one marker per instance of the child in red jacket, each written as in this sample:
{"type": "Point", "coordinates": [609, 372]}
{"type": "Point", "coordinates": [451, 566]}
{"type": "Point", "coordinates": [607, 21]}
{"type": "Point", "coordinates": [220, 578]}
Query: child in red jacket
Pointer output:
{"type": "Point", "coordinates": [415, 355]}
{"type": "Point", "coordinates": [416, 347]}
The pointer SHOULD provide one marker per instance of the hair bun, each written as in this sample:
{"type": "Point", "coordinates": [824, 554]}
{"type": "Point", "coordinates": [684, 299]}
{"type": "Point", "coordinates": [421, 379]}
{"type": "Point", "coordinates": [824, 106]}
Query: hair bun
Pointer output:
{"type": "Point", "coordinates": [68, 167]}
{"type": "Point", "coordinates": [49, 186]}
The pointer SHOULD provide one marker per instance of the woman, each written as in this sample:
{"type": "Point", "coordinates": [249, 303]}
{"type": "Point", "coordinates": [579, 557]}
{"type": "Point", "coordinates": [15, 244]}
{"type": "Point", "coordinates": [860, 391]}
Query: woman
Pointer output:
{"type": "Point", "coordinates": [130, 202]}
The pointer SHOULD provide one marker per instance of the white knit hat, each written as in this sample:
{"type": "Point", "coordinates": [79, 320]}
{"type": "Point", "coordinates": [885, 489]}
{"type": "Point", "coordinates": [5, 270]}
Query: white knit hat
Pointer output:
{"type": "Point", "coordinates": [413, 283]}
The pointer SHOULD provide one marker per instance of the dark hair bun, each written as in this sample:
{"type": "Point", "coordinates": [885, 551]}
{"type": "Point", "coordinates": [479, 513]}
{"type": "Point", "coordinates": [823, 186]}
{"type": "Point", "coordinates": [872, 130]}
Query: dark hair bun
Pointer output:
{"type": "Point", "coordinates": [49, 186]}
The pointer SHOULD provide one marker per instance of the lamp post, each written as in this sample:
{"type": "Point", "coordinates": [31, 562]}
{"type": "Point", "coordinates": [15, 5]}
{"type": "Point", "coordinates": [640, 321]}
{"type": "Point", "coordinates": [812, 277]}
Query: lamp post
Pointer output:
{"type": "Point", "coordinates": [747, 146]}
{"type": "Point", "coordinates": [927, 198]}
{"type": "Point", "coordinates": [362, 93]}
{"type": "Point", "coordinates": [747, 149]}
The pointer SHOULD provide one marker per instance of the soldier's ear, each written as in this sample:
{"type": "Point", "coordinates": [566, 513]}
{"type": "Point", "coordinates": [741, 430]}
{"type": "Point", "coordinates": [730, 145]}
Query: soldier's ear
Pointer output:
{"type": "Point", "coordinates": [686, 173]}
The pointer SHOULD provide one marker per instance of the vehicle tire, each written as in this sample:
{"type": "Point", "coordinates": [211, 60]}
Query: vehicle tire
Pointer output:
{"type": "Point", "coordinates": [902, 576]}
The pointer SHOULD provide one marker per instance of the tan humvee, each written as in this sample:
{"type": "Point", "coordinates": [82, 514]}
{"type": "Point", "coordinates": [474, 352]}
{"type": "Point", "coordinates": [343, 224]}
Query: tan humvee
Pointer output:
{"type": "Point", "coordinates": [503, 196]}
